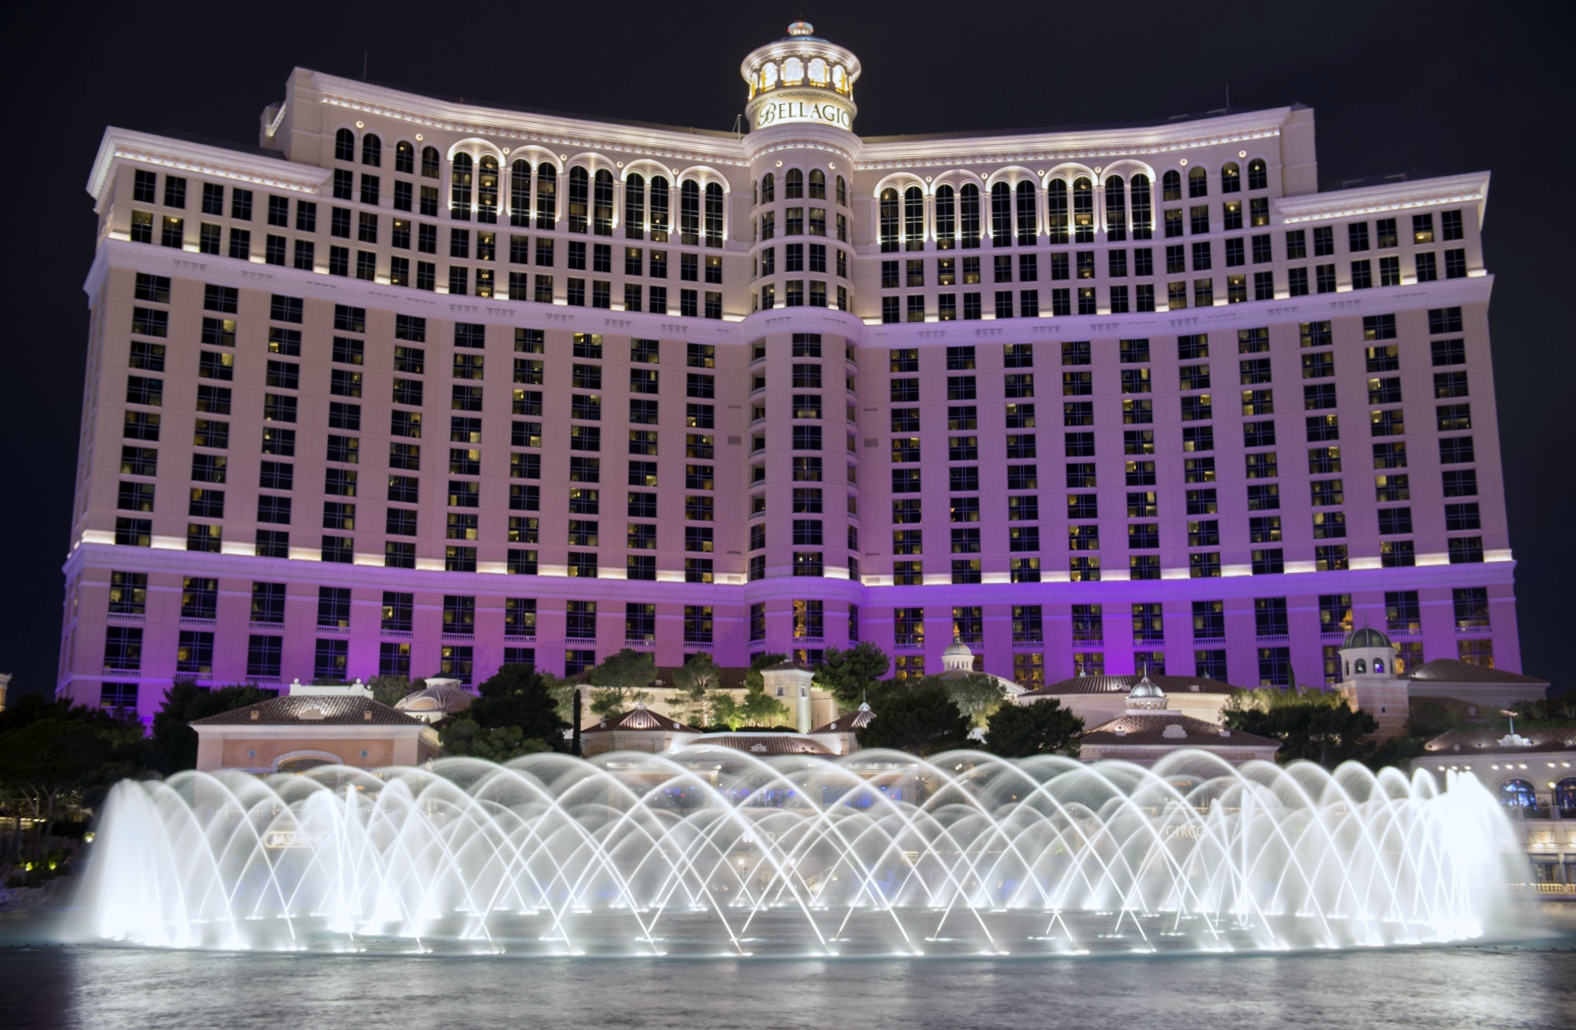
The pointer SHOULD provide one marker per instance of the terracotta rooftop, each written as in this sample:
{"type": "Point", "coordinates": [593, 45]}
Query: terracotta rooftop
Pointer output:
{"type": "Point", "coordinates": [1173, 729]}
{"type": "Point", "coordinates": [311, 710]}
{"type": "Point", "coordinates": [849, 722]}
{"type": "Point", "coordinates": [639, 718]}
{"type": "Point", "coordinates": [1453, 670]}
{"type": "Point", "coordinates": [1485, 740]}
{"type": "Point", "coordinates": [764, 743]}
{"type": "Point", "coordinates": [1124, 684]}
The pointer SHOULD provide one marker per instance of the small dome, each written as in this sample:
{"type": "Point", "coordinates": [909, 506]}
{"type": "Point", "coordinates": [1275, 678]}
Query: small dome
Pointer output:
{"type": "Point", "coordinates": [1365, 637]}
{"type": "Point", "coordinates": [958, 649]}
{"type": "Point", "coordinates": [1144, 688]}
{"type": "Point", "coordinates": [433, 703]}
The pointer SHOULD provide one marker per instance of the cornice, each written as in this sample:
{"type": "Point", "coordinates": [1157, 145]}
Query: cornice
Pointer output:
{"type": "Point", "coordinates": [899, 152]}
{"type": "Point", "coordinates": [1470, 188]}
{"type": "Point", "coordinates": [524, 126]}
{"type": "Point", "coordinates": [200, 159]}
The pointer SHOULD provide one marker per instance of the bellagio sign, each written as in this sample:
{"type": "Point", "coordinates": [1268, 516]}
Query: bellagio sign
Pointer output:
{"type": "Point", "coordinates": [823, 112]}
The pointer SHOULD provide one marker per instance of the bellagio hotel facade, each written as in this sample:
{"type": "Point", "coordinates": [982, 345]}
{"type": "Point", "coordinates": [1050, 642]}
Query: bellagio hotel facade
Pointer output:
{"type": "Point", "coordinates": [421, 387]}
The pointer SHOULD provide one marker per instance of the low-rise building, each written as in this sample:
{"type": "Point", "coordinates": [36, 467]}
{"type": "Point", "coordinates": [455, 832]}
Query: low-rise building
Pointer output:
{"type": "Point", "coordinates": [310, 726]}
{"type": "Point", "coordinates": [1148, 730]}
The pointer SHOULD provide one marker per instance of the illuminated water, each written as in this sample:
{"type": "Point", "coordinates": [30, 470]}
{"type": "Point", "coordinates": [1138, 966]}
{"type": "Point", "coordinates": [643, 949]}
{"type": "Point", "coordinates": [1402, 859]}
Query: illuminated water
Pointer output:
{"type": "Point", "coordinates": [99, 988]}
{"type": "Point", "coordinates": [714, 853]}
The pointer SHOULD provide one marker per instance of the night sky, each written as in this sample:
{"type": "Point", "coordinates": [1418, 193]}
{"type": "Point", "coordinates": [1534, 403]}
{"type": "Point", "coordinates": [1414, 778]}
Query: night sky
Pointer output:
{"type": "Point", "coordinates": [1442, 88]}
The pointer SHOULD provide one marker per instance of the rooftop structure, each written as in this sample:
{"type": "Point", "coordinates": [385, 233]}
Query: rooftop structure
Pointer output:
{"type": "Point", "coordinates": [313, 725]}
{"type": "Point", "coordinates": [417, 386]}
{"type": "Point", "coordinates": [1149, 730]}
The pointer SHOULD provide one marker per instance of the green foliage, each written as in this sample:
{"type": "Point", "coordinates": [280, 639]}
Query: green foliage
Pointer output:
{"type": "Point", "coordinates": [849, 674]}
{"type": "Point", "coordinates": [619, 682]}
{"type": "Point", "coordinates": [1043, 728]}
{"type": "Point", "coordinates": [976, 695]}
{"type": "Point", "coordinates": [464, 737]}
{"type": "Point", "coordinates": [517, 697]}
{"type": "Point", "coordinates": [627, 668]}
{"type": "Point", "coordinates": [697, 682]}
{"type": "Point", "coordinates": [56, 758]}
{"type": "Point", "coordinates": [760, 708]}
{"type": "Point", "coordinates": [753, 678]}
{"type": "Point", "coordinates": [1428, 718]}
{"type": "Point", "coordinates": [1545, 712]}
{"type": "Point", "coordinates": [390, 690]}
{"type": "Point", "coordinates": [918, 718]}
{"type": "Point", "coordinates": [174, 742]}
{"type": "Point", "coordinates": [1316, 725]}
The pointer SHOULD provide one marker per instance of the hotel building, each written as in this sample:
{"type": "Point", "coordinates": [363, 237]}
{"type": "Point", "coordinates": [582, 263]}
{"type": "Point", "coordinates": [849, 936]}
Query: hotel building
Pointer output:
{"type": "Point", "coordinates": [420, 387]}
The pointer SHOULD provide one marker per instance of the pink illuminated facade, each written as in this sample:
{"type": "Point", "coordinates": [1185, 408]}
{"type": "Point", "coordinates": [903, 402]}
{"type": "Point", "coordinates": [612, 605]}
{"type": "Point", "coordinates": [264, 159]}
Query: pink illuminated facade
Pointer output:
{"type": "Point", "coordinates": [418, 387]}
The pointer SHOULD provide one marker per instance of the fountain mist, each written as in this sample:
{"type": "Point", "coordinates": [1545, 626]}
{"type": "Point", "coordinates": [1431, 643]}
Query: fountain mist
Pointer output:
{"type": "Point", "coordinates": [711, 851]}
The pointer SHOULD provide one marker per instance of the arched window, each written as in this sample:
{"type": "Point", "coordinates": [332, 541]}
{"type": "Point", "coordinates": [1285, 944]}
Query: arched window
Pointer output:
{"type": "Point", "coordinates": [840, 79]}
{"type": "Point", "coordinates": [487, 189]}
{"type": "Point", "coordinates": [1362, 666]}
{"type": "Point", "coordinates": [769, 76]}
{"type": "Point", "coordinates": [1518, 794]}
{"type": "Point", "coordinates": [344, 145]}
{"type": "Point", "coordinates": [1001, 215]}
{"type": "Point", "coordinates": [602, 204]}
{"type": "Point", "coordinates": [1258, 174]}
{"type": "Point", "coordinates": [969, 215]}
{"type": "Point", "coordinates": [913, 218]}
{"type": "Point", "coordinates": [634, 207]}
{"type": "Point", "coordinates": [1197, 182]}
{"type": "Point", "coordinates": [404, 157]}
{"type": "Point", "coordinates": [818, 71]}
{"type": "Point", "coordinates": [888, 215]}
{"type": "Point", "coordinates": [817, 184]}
{"type": "Point", "coordinates": [1115, 209]}
{"type": "Point", "coordinates": [429, 162]}
{"type": "Point", "coordinates": [578, 208]}
{"type": "Point", "coordinates": [1083, 210]}
{"type": "Point", "coordinates": [659, 209]}
{"type": "Point", "coordinates": [520, 192]}
{"type": "Point", "coordinates": [842, 191]}
{"type": "Point", "coordinates": [793, 71]}
{"type": "Point", "coordinates": [689, 212]}
{"type": "Point", "coordinates": [946, 217]}
{"type": "Point", "coordinates": [1026, 213]}
{"type": "Point", "coordinates": [1143, 212]}
{"type": "Point", "coordinates": [1564, 790]}
{"type": "Point", "coordinates": [1230, 178]}
{"type": "Point", "coordinates": [713, 214]}
{"type": "Point", "coordinates": [793, 184]}
{"type": "Point", "coordinates": [1171, 185]}
{"type": "Point", "coordinates": [1056, 210]}
{"type": "Point", "coordinates": [768, 188]}
{"type": "Point", "coordinates": [371, 150]}
{"type": "Point", "coordinates": [546, 195]}
{"type": "Point", "coordinates": [460, 188]}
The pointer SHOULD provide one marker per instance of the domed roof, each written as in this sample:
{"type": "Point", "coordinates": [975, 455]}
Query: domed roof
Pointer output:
{"type": "Point", "coordinates": [434, 700]}
{"type": "Point", "coordinates": [1365, 637]}
{"type": "Point", "coordinates": [958, 649]}
{"type": "Point", "coordinates": [1144, 688]}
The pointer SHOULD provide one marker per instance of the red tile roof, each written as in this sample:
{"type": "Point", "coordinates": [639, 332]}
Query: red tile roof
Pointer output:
{"type": "Point", "coordinates": [311, 710]}
{"type": "Point", "coordinates": [1453, 670]}
{"type": "Point", "coordinates": [1148, 728]}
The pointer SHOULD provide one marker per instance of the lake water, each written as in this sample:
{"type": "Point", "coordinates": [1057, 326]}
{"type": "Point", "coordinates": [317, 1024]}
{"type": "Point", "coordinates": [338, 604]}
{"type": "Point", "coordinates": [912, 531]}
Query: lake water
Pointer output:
{"type": "Point", "coordinates": [1501, 986]}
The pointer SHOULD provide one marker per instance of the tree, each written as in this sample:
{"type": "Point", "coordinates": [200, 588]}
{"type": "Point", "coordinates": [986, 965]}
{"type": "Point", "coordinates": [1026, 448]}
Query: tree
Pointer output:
{"type": "Point", "coordinates": [920, 719]}
{"type": "Point", "coordinates": [517, 697]}
{"type": "Point", "coordinates": [464, 737]}
{"type": "Point", "coordinates": [758, 708]}
{"type": "Point", "coordinates": [976, 695]}
{"type": "Point", "coordinates": [390, 690]}
{"type": "Point", "coordinates": [1317, 725]}
{"type": "Point", "coordinates": [1043, 728]}
{"type": "Point", "coordinates": [174, 742]}
{"type": "Point", "coordinates": [55, 758]}
{"type": "Point", "coordinates": [849, 674]}
{"type": "Point", "coordinates": [619, 682]}
{"type": "Point", "coordinates": [697, 682]}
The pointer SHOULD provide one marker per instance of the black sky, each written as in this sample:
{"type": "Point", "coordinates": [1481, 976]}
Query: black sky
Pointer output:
{"type": "Point", "coordinates": [1442, 87]}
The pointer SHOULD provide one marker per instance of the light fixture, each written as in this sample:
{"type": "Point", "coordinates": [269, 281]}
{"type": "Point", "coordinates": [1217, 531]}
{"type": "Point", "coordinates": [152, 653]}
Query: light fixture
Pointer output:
{"type": "Point", "coordinates": [361, 125]}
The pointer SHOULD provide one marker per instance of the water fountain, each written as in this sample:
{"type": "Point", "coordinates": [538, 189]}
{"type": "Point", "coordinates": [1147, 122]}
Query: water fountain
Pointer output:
{"type": "Point", "coordinates": [709, 851]}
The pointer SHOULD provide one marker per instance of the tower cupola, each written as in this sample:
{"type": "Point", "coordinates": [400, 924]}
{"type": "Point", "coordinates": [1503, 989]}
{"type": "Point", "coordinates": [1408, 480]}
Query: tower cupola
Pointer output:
{"type": "Point", "coordinates": [801, 78]}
